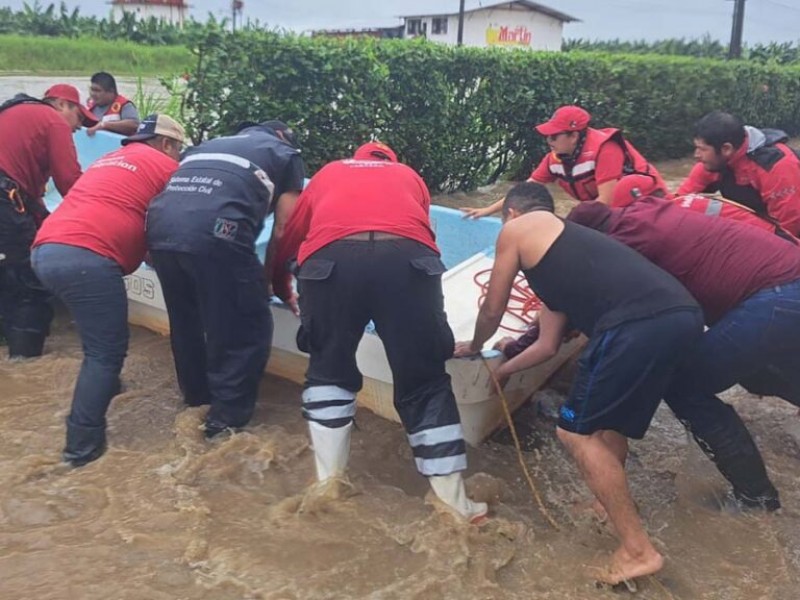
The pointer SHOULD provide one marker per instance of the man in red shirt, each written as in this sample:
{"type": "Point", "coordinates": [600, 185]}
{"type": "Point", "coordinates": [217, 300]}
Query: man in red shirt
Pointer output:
{"type": "Point", "coordinates": [748, 283]}
{"type": "Point", "coordinates": [585, 162]}
{"type": "Point", "coordinates": [750, 166]}
{"type": "Point", "coordinates": [365, 249]}
{"type": "Point", "coordinates": [633, 187]}
{"type": "Point", "coordinates": [83, 251]}
{"type": "Point", "coordinates": [37, 144]}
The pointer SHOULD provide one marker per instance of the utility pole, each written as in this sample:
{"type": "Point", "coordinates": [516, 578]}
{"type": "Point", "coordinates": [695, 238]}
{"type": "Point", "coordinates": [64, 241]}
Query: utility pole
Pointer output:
{"type": "Point", "coordinates": [236, 7]}
{"type": "Point", "coordinates": [461, 23]}
{"type": "Point", "coordinates": [735, 50]}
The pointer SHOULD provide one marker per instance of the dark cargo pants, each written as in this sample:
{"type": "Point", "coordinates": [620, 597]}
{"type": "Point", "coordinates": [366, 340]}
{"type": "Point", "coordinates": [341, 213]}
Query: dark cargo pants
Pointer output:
{"type": "Point", "coordinates": [396, 284]}
{"type": "Point", "coordinates": [221, 329]}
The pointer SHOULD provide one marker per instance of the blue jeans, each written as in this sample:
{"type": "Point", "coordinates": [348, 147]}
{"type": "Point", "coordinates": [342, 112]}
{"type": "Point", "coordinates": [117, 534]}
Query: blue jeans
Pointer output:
{"type": "Point", "coordinates": [754, 341]}
{"type": "Point", "coordinates": [93, 289]}
{"type": "Point", "coordinates": [756, 344]}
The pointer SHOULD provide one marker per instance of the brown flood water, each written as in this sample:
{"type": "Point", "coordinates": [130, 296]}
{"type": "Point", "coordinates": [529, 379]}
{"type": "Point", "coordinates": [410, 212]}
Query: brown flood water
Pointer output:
{"type": "Point", "coordinates": [164, 515]}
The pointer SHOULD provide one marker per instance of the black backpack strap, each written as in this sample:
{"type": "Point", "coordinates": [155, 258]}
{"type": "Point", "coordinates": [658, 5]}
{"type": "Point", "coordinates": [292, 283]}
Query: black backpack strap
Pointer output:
{"type": "Point", "coordinates": [628, 165]}
{"type": "Point", "coordinates": [20, 99]}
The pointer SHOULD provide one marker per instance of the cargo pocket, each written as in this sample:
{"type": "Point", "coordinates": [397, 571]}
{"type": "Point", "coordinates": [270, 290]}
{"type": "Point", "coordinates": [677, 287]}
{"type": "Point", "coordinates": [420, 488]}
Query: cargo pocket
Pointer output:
{"type": "Point", "coordinates": [251, 292]}
{"type": "Point", "coordinates": [313, 269]}
{"type": "Point", "coordinates": [433, 267]}
{"type": "Point", "coordinates": [316, 269]}
{"type": "Point", "coordinates": [430, 265]}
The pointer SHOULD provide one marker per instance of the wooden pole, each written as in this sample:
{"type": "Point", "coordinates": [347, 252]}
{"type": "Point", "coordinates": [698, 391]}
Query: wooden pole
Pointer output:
{"type": "Point", "coordinates": [461, 22]}
{"type": "Point", "coordinates": [735, 50]}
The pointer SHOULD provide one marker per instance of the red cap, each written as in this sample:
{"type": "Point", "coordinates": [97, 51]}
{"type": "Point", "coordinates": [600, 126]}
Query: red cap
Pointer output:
{"type": "Point", "coordinates": [566, 118]}
{"type": "Point", "coordinates": [633, 187]}
{"type": "Point", "coordinates": [375, 151]}
{"type": "Point", "coordinates": [70, 93]}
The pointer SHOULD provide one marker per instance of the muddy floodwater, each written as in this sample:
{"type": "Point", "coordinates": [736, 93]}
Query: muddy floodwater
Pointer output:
{"type": "Point", "coordinates": [165, 515]}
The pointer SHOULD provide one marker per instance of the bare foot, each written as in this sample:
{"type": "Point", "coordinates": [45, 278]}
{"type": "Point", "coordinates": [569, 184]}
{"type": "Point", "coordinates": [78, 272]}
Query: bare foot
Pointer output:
{"type": "Point", "coordinates": [624, 567]}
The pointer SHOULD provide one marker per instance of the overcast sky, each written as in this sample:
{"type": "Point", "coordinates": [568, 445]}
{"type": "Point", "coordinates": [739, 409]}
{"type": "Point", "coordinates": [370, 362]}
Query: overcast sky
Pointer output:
{"type": "Point", "coordinates": [766, 20]}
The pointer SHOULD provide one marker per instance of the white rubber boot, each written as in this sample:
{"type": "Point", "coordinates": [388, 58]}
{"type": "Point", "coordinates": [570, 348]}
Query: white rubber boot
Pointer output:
{"type": "Point", "coordinates": [451, 491]}
{"type": "Point", "coordinates": [331, 449]}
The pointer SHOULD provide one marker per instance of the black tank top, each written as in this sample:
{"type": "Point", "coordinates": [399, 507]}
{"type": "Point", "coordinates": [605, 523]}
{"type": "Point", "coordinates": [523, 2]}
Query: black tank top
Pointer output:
{"type": "Point", "coordinates": [600, 283]}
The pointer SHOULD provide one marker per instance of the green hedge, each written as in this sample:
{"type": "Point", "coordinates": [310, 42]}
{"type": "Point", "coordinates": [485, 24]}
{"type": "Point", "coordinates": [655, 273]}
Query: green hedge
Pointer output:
{"type": "Point", "coordinates": [464, 116]}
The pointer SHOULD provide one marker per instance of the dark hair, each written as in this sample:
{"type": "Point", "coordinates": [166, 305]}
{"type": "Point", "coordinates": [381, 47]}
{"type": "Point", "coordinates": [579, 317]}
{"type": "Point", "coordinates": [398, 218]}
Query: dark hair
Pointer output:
{"type": "Point", "coordinates": [718, 128]}
{"type": "Point", "coordinates": [528, 197]}
{"type": "Point", "coordinates": [105, 81]}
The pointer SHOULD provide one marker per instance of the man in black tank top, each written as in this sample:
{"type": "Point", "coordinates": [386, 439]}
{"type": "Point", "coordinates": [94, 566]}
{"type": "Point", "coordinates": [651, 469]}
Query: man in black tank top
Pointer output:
{"type": "Point", "coordinates": [639, 321]}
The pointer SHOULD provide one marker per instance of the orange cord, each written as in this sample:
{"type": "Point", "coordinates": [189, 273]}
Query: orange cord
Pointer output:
{"type": "Point", "coordinates": [522, 303]}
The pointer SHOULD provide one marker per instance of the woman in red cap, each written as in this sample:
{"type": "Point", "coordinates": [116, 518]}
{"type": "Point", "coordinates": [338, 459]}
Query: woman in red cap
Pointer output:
{"type": "Point", "coordinates": [585, 162]}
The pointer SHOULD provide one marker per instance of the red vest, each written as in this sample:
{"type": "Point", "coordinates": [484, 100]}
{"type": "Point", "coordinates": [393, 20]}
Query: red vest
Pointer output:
{"type": "Point", "coordinates": [579, 180]}
{"type": "Point", "coordinates": [114, 110]}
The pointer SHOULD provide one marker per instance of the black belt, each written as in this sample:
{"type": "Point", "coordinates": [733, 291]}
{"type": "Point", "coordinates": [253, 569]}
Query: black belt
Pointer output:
{"type": "Point", "coordinates": [370, 236]}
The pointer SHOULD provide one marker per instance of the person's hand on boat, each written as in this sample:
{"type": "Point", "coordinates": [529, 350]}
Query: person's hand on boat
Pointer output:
{"type": "Point", "coordinates": [465, 349]}
{"type": "Point", "coordinates": [471, 212]}
{"type": "Point", "coordinates": [502, 343]}
{"type": "Point", "coordinates": [90, 131]}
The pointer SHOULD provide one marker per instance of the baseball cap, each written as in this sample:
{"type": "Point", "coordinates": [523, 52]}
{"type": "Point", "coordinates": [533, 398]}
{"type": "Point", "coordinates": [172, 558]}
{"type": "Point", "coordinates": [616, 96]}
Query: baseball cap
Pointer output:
{"type": "Point", "coordinates": [64, 91]}
{"type": "Point", "coordinates": [375, 151]}
{"type": "Point", "coordinates": [153, 125]}
{"type": "Point", "coordinates": [633, 187]}
{"type": "Point", "coordinates": [275, 125]}
{"type": "Point", "coordinates": [566, 118]}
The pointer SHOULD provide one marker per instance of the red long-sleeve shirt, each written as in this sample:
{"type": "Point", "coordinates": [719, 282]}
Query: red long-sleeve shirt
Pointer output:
{"type": "Point", "coordinates": [37, 144]}
{"type": "Point", "coordinates": [351, 196]}
{"type": "Point", "coordinates": [778, 186]}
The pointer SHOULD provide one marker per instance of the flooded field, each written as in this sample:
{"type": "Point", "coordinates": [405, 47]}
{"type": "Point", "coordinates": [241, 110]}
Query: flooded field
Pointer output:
{"type": "Point", "coordinates": [166, 515]}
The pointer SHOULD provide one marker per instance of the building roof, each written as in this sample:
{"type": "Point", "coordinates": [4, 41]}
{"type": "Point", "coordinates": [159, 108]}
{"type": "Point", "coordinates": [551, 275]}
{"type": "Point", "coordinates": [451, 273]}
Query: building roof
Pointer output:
{"type": "Point", "coordinates": [175, 3]}
{"type": "Point", "coordinates": [475, 5]}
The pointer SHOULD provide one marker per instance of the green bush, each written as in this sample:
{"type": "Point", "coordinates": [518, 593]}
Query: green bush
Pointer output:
{"type": "Point", "coordinates": [464, 116]}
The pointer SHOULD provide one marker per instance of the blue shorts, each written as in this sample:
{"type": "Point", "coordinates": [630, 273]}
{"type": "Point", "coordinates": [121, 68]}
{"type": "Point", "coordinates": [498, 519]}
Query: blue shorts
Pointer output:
{"type": "Point", "coordinates": [623, 373]}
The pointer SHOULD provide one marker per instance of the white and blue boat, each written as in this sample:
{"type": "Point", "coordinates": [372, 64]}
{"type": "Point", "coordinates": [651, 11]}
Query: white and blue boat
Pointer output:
{"type": "Point", "coordinates": [467, 248]}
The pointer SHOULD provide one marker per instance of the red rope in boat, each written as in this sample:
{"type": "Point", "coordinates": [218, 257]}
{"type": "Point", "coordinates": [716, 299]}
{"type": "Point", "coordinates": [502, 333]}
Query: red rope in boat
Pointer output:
{"type": "Point", "coordinates": [522, 303]}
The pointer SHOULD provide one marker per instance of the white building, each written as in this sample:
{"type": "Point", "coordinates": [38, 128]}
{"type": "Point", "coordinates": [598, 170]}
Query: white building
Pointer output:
{"type": "Point", "coordinates": [171, 11]}
{"type": "Point", "coordinates": [488, 23]}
